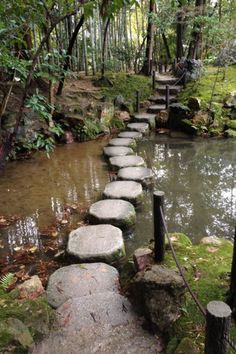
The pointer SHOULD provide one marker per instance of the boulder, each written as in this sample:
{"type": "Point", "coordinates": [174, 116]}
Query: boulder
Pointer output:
{"type": "Point", "coordinates": [123, 142]}
{"type": "Point", "coordinates": [211, 240]}
{"type": "Point", "coordinates": [192, 67]}
{"type": "Point", "coordinates": [177, 113]}
{"type": "Point", "coordinates": [139, 127]}
{"type": "Point", "coordinates": [127, 190]}
{"type": "Point", "coordinates": [230, 133]}
{"type": "Point", "coordinates": [122, 115]}
{"type": "Point", "coordinates": [146, 118]}
{"type": "Point", "coordinates": [31, 288]}
{"type": "Point", "coordinates": [158, 293]}
{"type": "Point", "coordinates": [194, 103]}
{"type": "Point", "coordinates": [201, 118]}
{"type": "Point", "coordinates": [143, 258]}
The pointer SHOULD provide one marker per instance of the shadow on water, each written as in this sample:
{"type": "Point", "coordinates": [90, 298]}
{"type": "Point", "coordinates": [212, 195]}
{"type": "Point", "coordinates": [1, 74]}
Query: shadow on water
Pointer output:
{"type": "Point", "coordinates": [197, 176]}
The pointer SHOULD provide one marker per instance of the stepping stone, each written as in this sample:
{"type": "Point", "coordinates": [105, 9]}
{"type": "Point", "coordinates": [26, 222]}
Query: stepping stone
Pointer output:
{"type": "Point", "coordinates": [110, 151]}
{"type": "Point", "coordinates": [132, 135]}
{"type": "Point", "coordinates": [106, 308]}
{"type": "Point", "coordinates": [139, 174]}
{"type": "Point", "coordinates": [113, 211]}
{"type": "Point", "coordinates": [118, 162]}
{"type": "Point", "coordinates": [156, 108]}
{"type": "Point", "coordinates": [123, 142]}
{"type": "Point", "coordinates": [173, 89]}
{"type": "Point", "coordinates": [139, 127]}
{"type": "Point", "coordinates": [79, 280]}
{"type": "Point", "coordinates": [146, 118]}
{"type": "Point", "coordinates": [127, 190]}
{"type": "Point", "coordinates": [162, 99]}
{"type": "Point", "coordinates": [98, 243]}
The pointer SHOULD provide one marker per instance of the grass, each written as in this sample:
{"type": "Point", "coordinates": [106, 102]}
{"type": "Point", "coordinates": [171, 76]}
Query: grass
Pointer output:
{"type": "Point", "coordinates": [207, 270]}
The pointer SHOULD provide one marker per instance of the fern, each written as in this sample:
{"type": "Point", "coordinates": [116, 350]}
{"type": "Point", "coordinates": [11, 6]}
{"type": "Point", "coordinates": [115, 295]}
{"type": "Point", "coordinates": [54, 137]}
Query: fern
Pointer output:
{"type": "Point", "coordinates": [6, 280]}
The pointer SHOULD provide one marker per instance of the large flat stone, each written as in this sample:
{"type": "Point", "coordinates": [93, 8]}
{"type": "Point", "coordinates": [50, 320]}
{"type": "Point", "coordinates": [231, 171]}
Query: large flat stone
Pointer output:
{"type": "Point", "coordinates": [130, 134]}
{"type": "Point", "coordinates": [127, 190]}
{"type": "Point", "coordinates": [155, 108]}
{"type": "Point", "coordinates": [118, 162]}
{"type": "Point", "coordinates": [123, 142]}
{"type": "Point", "coordinates": [100, 308]}
{"type": "Point", "coordinates": [96, 243]}
{"type": "Point", "coordinates": [80, 280]}
{"type": "Point", "coordinates": [113, 211]}
{"type": "Point", "coordinates": [146, 118]}
{"type": "Point", "coordinates": [117, 151]}
{"type": "Point", "coordinates": [139, 127]}
{"type": "Point", "coordinates": [139, 174]}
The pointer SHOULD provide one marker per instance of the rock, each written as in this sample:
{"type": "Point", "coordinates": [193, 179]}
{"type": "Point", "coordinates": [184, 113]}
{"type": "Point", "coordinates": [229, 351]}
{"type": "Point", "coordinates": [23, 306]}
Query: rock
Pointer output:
{"type": "Point", "coordinates": [100, 308]}
{"type": "Point", "coordinates": [162, 119]}
{"type": "Point", "coordinates": [123, 142]}
{"type": "Point", "coordinates": [113, 211]}
{"type": "Point", "coordinates": [68, 137]}
{"type": "Point", "coordinates": [146, 118]}
{"type": "Point", "coordinates": [122, 115]}
{"type": "Point", "coordinates": [31, 289]}
{"type": "Point", "coordinates": [132, 135]}
{"type": "Point", "coordinates": [231, 124]}
{"type": "Point", "coordinates": [186, 346]}
{"type": "Point", "coordinates": [156, 108]}
{"type": "Point", "coordinates": [117, 151]}
{"type": "Point", "coordinates": [118, 162]}
{"type": "Point", "coordinates": [227, 55]}
{"type": "Point", "coordinates": [79, 280]}
{"type": "Point", "coordinates": [139, 127]}
{"type": "Point", "coordinates": [192, 67]}
{"type": "Point", "coordinates": [142, 258]}
{"type": "Point", "coordinates": [98, 243]}
{"type": "Point", "coordinates": [177, 113]}
{"type": "Point", "coordinates": [194, 103]}
{"type": "Point", "coordinates": [230, 133]}
{"type": "Point", "coordinates": [211, 240]}
{"type": "Point", "coordinates": [127, 190]}
{"type": "Point", "coordinates": [159, 293]}
{"type": "Point", "coordinates": [16, 331]}
{"type": "Point", "coordinates": [201, 118]}
{"type": "Point", "coordinates": [119, 101]}
{"type": "Point", "coordinates": [142, 175]}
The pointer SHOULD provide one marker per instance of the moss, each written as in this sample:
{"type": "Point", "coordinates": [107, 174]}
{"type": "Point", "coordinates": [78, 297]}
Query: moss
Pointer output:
{"type": "Point", "coordinates": [230, 133]}
{"type": "Point", "coordinates": [207, 269]}
{"type": "Point", "coordinates": [232, 124]}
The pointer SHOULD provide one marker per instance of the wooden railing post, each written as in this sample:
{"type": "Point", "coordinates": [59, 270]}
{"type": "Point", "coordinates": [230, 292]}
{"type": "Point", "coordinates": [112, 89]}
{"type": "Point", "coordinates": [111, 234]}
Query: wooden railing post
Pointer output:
{"type": "Point", "coordinates": [137, 101]}
{"type": "Point", "coordinates": [232, 295]}
{"type": "Point", "coordinates": [160, 67]}
{"type": "Point", "coordinates": [167, 96]}
{"type": "Point", "coordinates": [159, 230]}
{"type": "Point", "coordinates": [153, 79]}
{"type": "Point", "coordinates": [217, 326]}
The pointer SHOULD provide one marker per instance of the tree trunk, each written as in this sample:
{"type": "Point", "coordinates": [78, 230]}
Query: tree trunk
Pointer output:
{"type": "Point", "coordinates": [68, 54]}
{"type": "Point", "coordinates": [195, 43]}
{"type": "Point", "coordinates": [166, 47]}
{"type": "Point", "coordinates": [179, 34]}
{"type": "Point", "coordinates": [104, 47]}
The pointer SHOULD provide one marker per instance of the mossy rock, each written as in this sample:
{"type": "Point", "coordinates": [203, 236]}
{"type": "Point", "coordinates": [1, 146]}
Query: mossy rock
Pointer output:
{"type": "Point", "coordinates": [230, 133]}
{"type": "Point", "coordinates": [186, 346]}
{"type": "Point", "coordinates": [215, 131]}
{"type": "Point", "coordinates": [232, 124]}
{"type": "Point", "coordinates": [179, 240]}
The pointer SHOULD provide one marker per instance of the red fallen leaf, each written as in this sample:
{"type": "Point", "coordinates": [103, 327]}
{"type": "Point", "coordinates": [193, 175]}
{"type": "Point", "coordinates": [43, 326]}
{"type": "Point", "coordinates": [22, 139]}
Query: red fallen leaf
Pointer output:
{"type": "Point", "coordinates": [212, 249]}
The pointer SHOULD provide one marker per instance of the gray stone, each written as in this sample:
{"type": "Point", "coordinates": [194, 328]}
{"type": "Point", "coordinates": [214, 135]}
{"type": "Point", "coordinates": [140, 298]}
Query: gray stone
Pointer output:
{"type": "Point", "coordinates": [98, 243]}
{"type": "Point", "coordinates": [143, 175]}
{"type": "Point", "coordinates": [139, 127]}
{"type": "Point", "coordinates": [132, 135]}
{"type": "Point", "coordinates": [118, 162]}
{"type": "Point", "coordinates": [230, 100]}
{"type": "Point", "coordinates": [177, 114]}
{"type": "Point", "coordinates": [123, 142]}
{"type": "Point", "coordinates": [191, 67]}
{"type": "Point", "coordinates": [31, 288]}
{"type": "Point", "coordinates": [146, 118]}
{"type": "Point", "coordinates": [101, 308]}
{"type": "Point", "coordinates": [159, 294]}
{"type": "Point", "coordinates": [113, 211]}
{"type": "Point", "coordinates": [127, 190]}
{"type": "Point", "coordinates": [117, 151]}
{"type": "Point", "coordinates": [80, 280]}
{"type": "Point", "coordinates": [211, 240]}
{"type": "Point", "coordinates": [156, 108]}
{"type": "Point", "coordinates": [143, 258]}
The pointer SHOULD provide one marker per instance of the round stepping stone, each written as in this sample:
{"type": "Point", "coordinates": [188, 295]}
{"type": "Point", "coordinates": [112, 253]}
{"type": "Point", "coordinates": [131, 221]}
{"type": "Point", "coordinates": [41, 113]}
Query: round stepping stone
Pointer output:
{"type": "Point", "coordinates": [155, 108]}
{"type": "Point", "coordinates": [139, 127]}
{"type": "Point", "coordinates": [123, 142]}
{"type": "Point", "coordinates": [80, 280]}
{"type": "Point", "coordinates": [96, 243]}
{"type": "Point", "coordinates": [127, 190]}
{"type": "Point", "coordinates": [146, 118]}
{"type": "Point", "coordinates": [113, 211]}
{"type": "Point", "coordinates": [106, 307]}
{"type": "Point", "coordinates": [139, 174]}
{"type": "Point", "coordinates": [132, 135]}
{"type": "Point", "coordinates": [118, 162]}
{"type": "Point", "coordinates": [117, 151]}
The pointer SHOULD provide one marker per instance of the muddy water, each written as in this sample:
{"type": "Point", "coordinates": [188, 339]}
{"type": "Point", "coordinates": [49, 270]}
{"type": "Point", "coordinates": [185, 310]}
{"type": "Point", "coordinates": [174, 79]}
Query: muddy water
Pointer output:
{"type": "Point", "coordinates": [197, 176]}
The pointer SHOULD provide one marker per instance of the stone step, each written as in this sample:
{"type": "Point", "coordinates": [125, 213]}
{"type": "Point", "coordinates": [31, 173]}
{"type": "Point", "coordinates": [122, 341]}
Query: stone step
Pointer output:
{"type": "Point", "coordinates": [96, 243]}
{"type": "Point", "coordinates": [116, 212]}
{"type": "Point", "coordinates": [126, 190]}
{"type": "Point", "coordinates": [155, 108]}
{"type": "Point", "coordinates": [157, 99]}
{"type": "Point", "coordinates": [142, 175]}
{"type": "Point", "coordinates": [78, 280]}
{"type": "Point", "coordinates": [118, 162]}
{"type": "Point", "coordinates": [173, 89]}
{"type": "Point", "coordinates": [110, 151]}
{"type": "Point", "coordinates": [123, 142]}
{"type": "Point", "coordinates": [146, 118]}
{"type": "Point", "coordinates": [139, 127]}
{"type": "Point", "coordinates": [166, 80]}
{"type": "Point", "coordinates": [129, 134]}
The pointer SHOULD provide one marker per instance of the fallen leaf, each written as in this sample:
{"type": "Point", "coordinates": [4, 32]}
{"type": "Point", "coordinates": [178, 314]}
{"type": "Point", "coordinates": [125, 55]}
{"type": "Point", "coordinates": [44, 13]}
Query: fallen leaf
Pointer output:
{"type": "Point", "coordinates": [212, 249]}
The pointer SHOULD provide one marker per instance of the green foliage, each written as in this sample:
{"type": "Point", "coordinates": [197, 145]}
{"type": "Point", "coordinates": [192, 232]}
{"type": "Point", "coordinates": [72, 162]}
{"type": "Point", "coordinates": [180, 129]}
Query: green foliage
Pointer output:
{"type": "Point", "coordinates": [39, 105]}
{"type": "Point", "coordinates": [6, 280]}
{"type": "Point", "coordinates": [89, 129]}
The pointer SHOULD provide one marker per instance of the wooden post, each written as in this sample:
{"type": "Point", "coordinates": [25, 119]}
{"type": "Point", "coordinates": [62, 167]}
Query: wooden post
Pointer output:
{"type": "Point", "coordinates": [184, 80]}
{"type": "Point", "coordinates": [217, 326]}
{"type": "Point", "coordinates": [159, 231]}
{"type": "Point", "coordinates": [153, 79]}
{"type": "Point", "coordinates": [167, 96]}
{"type": "Point", "coordinates": [160, 67]}
{"type": "Point", "coordinates": [174, 65]}
{"type": "Point", "coordinates": [137, 101]}
{"type": "Point", "coordinates": [232, 296]}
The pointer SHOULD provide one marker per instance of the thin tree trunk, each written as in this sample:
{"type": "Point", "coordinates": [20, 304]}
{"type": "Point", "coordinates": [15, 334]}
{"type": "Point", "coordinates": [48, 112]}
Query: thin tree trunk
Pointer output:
{"type": "Point", "coordinates": [195, 43]}
{"type": "Point", "coordinates": [179, 33]}
{"type": "Point", "coordinates": [166, 47]}
{"type": "Point", "coordinates": [104, 48]}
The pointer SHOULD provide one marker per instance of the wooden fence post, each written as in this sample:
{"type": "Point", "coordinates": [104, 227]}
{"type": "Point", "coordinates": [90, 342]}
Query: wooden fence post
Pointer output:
{"type": "Point", "coordinates": [232, 295]}
{"type": "Point", "coordinates": [137, 101]}
{"type": "Point", "coordinates": [159, 230]}
{"type": "Point", "coordinates": [160, 68]}
{"type": "Point", "coordinates": [153, 79]}
{"type": "Point", "coordinates": [167, 96]}
{"type": "Point", "coordinates": [217, 326]}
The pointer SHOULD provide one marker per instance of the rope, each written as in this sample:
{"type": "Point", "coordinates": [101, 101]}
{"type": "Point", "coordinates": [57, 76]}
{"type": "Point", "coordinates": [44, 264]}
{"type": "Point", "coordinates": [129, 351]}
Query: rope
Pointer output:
{"type": "Point", "coordinates": [195, 299]}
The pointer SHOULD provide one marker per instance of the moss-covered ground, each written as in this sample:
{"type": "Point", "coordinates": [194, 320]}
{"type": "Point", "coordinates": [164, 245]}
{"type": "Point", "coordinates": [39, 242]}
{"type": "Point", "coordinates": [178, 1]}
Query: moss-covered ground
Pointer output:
{"type": "Point", "coordinates": [207, 269]}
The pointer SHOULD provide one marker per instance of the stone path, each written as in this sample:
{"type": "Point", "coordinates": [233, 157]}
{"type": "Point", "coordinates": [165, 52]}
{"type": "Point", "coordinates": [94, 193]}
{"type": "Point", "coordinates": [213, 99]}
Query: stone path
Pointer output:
{"type": "Point", "coordinates": [91, 315]}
